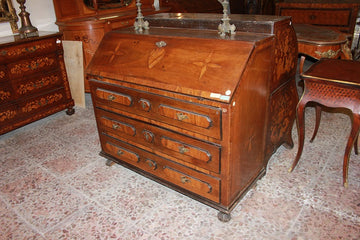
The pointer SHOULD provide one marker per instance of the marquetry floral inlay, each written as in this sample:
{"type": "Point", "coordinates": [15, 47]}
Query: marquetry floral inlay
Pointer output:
{"type": "Point", "coordinates": [9, 114]}
{"type": "Point", "coordinates": [4, 95]}
{"type": "Point", "coordinates": [40, 83]}
{"type": "Point", "coordinates": [20, 51]}
{"type": "Point", "coordinates": [2, 74]}
{"type": "Point", "coordinates": [34, 64]}
{"type": "Point", "coordinates": [30, 106]}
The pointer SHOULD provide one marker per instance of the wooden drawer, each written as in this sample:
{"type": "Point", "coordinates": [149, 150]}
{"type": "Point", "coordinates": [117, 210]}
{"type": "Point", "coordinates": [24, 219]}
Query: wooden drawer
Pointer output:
{"type": "Point", "coordinates": [42, 103]}
{"type": "Point", "coordinates": [6, 93]}
{"type": "Point", "coordinates": [201, 154]}
{"type": "Point", "coordinates": [8, 113]}
{"type": "Point", "coordinates": [198, 118]}
{"type": "Point", "coordinates": [329, 17]}
{"type": "Point", "coordinates": [37, 83]}
{"type": "Point", "coordinates": [181, 176]}
{"type": "Point", "coordinates": [33, 65]}
{"type": "Point", "coordinates": [3, 75]}
{"type": "Point", "coordinates": [27, 50]}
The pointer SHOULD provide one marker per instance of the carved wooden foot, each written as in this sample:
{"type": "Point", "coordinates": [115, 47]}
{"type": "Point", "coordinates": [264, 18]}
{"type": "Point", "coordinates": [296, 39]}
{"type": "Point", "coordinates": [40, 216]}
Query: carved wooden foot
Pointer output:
{"type": "Point", "coordinates": [109, 163]}
{"type": "Point", "coordinates": [70, 111]}
{"type": "Point", "coordinates": [224, 217]}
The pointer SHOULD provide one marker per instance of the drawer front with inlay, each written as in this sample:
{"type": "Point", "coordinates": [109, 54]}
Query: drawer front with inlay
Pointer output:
{"type": "Point", "coordinates": [179, 175]}
{"type": "Point", "coordinates": [43, 102]}
{"type": "Point", "coordinates": [198, 118]}
{"type": "Point", "coordinates": [34, 65]}
{"type": "Point", "coordinates": [6, 93]}
{"type": "Point", "coordinates": [3, 75]}
{"type": "Point", "coordinates": [28, 50]}
{"type": "Point", "coordinates": [201, 154]}
{"type": "Point", "coordinates": [37, 83]}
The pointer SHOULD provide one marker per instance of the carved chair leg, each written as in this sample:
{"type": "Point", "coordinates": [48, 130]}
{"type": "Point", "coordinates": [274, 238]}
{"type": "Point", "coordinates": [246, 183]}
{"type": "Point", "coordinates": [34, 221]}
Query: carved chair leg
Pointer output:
{"type": "Point", "coordinates": [317, 121]}
{"type": "Point", "coordinates": [301, 131]}
{"type": "Point", "coordinates": [352, 138]}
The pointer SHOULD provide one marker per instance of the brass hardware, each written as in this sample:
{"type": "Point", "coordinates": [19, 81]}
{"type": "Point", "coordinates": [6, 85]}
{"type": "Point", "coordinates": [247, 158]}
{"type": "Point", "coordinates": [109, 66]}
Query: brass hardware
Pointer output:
{"type": "Point", "coordinates": [119, 152]}
{"type": "Point", "coordinates": [151, 163]}
{"type": "Point", "coordinates": [183, 149]}
{"type": "Point", "coordinates": [161, 44]}
{"type": "Point", "coordinates": [111, 97]}
{"type": "Point", "coordinates": [185, 179]}
{"type": "Point", "coordinates": [328, 54]}
{"type": "Point", "coordinates": [149, 136]}
{"type": "Point", "coordinates": [181, 116]}
{"type": "Point", "coordinates": [115, 126]}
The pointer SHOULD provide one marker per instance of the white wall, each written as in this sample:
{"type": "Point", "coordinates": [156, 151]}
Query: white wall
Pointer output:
{"type": "Point", "coordinates": [42, 16]}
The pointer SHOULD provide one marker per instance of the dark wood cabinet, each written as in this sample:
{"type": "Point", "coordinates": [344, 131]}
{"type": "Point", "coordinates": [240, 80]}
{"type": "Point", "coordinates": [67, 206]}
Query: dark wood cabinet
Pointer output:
{"type": "Point", "coordinates": [33, 80]}
{"type": "Point", "coordinates": [338, 15]}
{"type": "Point", "coordinates": [192, 110]}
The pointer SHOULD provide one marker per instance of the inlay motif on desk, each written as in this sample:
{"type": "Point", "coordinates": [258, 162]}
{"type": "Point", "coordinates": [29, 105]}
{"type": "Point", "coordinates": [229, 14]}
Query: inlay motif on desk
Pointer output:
{"type": "Point", "coordinates": [186, 108]}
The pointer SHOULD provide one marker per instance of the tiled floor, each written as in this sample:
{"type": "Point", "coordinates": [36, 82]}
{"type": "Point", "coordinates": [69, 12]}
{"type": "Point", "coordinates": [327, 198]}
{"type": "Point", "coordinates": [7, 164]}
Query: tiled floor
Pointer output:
{"type": "Point", "coordinates": [54, 185]}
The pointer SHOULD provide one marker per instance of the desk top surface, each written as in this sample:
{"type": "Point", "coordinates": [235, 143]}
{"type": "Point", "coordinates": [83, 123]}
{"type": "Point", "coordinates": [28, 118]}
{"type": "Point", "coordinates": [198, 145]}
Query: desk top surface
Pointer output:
{"type": "Point", "coordinates": [335, 70]}
{"type": "Point", "coordinates": [311, 34]}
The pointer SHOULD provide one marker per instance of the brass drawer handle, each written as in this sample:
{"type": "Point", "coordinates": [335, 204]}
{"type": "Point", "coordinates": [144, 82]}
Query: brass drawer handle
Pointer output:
{"type": "Point", "coordinates": [119, 153]}
{"type": "Point", "coordinates": [151, 164]}
{"type": "Point", "coordinates": [185, 179]}
{"type": "Point", "coordinates": [181, 116]}
{"type": "Point", "coordinates": [111, 97]}
{"type": "Point", "coordinates": [183, 149]}
{"type": "Point", "coordinates": [161, 44]}
{"type": "Point", "coordinates": [115, 126]}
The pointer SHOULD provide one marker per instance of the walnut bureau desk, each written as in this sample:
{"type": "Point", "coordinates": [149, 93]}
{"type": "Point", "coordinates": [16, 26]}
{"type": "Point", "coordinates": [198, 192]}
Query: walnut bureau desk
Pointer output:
{"type": "Point", "coordinates": [186, 108]}
{"type": "Point", "coordinates": [33, 80]}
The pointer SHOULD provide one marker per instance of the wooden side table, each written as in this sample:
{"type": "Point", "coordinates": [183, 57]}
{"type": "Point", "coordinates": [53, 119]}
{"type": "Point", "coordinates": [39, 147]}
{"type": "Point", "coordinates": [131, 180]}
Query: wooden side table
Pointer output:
{"type": "Point", "coordinates": [319, 42]}
{"type": "Point", "coordinates": [333, 83]}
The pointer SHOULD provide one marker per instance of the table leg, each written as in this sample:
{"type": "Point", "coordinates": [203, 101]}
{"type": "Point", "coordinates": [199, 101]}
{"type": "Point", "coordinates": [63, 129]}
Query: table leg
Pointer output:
{"type": "Point", "coordinates": [301, 130]}
{"type": "Point", "coordinates": [301, 64]}
{"type": "Point", "coordinates": [352, 137]}
{"type": "Point", "coordinates": [317, 121]}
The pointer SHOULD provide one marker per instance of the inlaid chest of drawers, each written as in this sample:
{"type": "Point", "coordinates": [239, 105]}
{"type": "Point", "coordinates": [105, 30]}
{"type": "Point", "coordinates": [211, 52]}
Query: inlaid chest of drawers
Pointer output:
{"type": "Point", "coordinates": [186, 108]}
{"type": "Point", "coordinates": [33, 80]}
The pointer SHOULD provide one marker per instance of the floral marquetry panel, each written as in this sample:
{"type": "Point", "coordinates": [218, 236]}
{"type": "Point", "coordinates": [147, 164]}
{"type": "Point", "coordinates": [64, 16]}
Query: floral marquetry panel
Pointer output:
{"type": "Point", "coordinates": [33, 80]}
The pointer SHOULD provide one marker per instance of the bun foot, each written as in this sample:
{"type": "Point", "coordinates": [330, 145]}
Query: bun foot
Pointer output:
{"type": "Point", "coordinates": [70, 111]}
{"type": "Point", "coordinates": [109, 163]}
{"type": "Point", "coordinates": [224, 217]}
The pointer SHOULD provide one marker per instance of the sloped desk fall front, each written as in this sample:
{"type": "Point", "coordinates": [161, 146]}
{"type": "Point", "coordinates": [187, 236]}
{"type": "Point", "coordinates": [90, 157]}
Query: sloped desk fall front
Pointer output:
{"type": "Point", "coordinates": [185, 108]}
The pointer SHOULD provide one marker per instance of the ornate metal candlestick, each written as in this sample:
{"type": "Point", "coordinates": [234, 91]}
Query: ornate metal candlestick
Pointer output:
{"type": "Point", "coordinates": [140, 24]}
{"type": "Point", "coordinates": [26, 30]}
{"type": "Point", "coordinates": [225, 27]}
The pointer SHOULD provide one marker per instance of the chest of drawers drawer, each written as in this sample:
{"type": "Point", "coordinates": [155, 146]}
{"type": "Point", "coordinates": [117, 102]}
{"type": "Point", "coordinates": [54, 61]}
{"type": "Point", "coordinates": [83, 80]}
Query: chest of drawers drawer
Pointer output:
{"type": "Point", "coordinates": [190, 116]}
{"type": "Point", "coordinates": [198, 153]}
{"type": "Point", "coordinates": [204, 185]}
{"type": "Point", "coordinates": [329, 17]}
{"type": "Point", "coordinates": [31, 66]}
{"type": "Point", "coordinates": [37, 83]}
{"type": "Point", "coordinates": [28, 50]}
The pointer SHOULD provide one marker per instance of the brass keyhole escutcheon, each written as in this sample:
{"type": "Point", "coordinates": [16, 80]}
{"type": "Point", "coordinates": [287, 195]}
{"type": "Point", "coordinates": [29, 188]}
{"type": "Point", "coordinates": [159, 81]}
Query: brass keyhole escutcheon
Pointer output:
{"type": "Point", "coordinates": [185, 179]}
{"type": "Point", "coordinates": [115, 126]}
{"type": "Point", "coordinates": [183, 149]}
{"type": "Point", "coordinates": [181, 116]}
{"type": "Point", "coordinates": [111, 97]}
{"type": "Point", "coordinates": [119, 153]}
